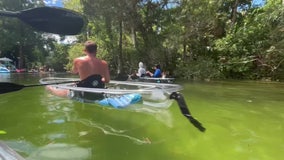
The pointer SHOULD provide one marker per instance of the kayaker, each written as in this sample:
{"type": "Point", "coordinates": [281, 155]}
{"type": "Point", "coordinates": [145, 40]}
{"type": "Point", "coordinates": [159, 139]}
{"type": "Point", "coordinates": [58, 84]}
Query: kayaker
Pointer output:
{"type": "Point", "coordinates": [93, 72]}
{"type": "Point", "coordinates": [141, 70]}
{"type": "Point", "coordinates": [90, 66]}
{"type": "Point", "coordinates": [157, 73]}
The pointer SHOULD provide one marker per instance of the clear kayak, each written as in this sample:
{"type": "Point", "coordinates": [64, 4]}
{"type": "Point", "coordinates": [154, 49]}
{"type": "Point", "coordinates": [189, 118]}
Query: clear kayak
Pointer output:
{"type": "Point", "coordinates": [119, 94]}
{"type": "Point", "coordinates": [127, 94]}
{"type": "Point", "coordinates": [156, 80]}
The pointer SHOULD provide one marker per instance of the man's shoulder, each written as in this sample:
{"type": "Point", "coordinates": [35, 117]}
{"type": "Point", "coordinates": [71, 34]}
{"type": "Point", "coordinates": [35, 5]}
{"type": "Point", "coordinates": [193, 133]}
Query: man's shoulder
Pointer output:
{"type": "Point", "coordinates": [103, 61]}
{"type": "Point", "coordinates": [83, 58]}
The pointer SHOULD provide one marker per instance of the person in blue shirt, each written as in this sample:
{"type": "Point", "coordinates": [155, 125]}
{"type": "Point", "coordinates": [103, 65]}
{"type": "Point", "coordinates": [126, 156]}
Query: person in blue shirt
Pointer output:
{"type": "Point", "coordinates": [157, 73]}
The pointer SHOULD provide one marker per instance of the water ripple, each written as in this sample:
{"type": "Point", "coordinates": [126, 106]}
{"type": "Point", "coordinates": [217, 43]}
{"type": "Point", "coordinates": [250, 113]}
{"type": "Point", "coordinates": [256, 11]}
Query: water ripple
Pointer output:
{"type": "Point", "coordinates": [108, 130]}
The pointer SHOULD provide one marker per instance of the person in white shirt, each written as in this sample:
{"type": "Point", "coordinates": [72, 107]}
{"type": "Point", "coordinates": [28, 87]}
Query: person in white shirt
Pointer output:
{"type": "Point", "coordinates": [141, 70]}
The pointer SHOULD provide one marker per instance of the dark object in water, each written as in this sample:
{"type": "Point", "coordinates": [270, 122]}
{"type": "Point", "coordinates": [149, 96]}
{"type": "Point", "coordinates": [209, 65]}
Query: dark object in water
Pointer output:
{"type": "Point", "coordinates": [185, 111]}
{"type": "Point", "coordinates": [50, 19]}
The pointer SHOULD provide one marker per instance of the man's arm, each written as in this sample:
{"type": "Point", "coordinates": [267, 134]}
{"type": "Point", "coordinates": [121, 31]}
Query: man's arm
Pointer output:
{"type": "Point", "coordinates": [75, 69]}
{"type": "Point", "coordinates": [106, 72]}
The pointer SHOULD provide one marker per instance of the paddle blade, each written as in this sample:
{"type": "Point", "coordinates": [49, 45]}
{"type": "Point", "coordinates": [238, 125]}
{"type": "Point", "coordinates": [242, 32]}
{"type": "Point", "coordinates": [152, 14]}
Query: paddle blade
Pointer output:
{"type": "Point", "coordinates": [185, 111]}
{"type": "Point", "coordinates": [195, 122]}
{"type": "Point", "coordinates": [6, 87]}
{"type": "Point", "coordinates": [53, 20]}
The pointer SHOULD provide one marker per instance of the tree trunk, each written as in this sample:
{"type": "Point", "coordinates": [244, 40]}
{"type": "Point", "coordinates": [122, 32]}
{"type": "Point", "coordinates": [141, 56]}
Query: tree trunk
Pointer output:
{"type": "Point", "coordinates": [133, 35]}
{"type": "Point", "coordinates": [21, 55]}
{"type": "Point", "coordinates": [234, 12]}
{"type": "Point", "coordinates": [120, 55]}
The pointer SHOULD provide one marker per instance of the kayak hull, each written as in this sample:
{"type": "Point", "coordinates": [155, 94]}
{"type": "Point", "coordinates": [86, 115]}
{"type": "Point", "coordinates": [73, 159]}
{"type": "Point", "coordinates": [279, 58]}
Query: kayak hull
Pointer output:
{"type": "Point", "coordinates": [156, 80]}
{"type": "Point", "coordinates": [119, 94]}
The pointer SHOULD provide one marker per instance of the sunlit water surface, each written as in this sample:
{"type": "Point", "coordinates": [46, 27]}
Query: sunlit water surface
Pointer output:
{"type": "Point", "coordinates": [244, 120]}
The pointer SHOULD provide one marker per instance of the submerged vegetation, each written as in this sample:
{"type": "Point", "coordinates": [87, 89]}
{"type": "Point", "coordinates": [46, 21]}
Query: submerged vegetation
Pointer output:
{"type": "Point", "coordinates": [191, 39]}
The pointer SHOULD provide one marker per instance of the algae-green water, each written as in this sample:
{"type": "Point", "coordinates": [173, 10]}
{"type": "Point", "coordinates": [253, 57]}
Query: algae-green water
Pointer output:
{"type": "Point", "coordinates": [243, 120]}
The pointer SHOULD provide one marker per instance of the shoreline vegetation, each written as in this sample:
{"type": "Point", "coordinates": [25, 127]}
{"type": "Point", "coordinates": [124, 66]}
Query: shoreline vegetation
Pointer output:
{"type": "Point", "coordinates": [190, 40]}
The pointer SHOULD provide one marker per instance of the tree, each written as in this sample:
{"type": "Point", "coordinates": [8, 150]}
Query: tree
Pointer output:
{"type": "Point", "coordinates": [253, 49]}
{"type": "Point", "coordinates": [20, 39]}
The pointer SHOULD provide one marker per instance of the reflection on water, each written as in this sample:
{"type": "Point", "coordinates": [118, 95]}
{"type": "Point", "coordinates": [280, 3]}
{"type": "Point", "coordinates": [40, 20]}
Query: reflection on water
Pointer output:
{"type": "Point", "coordinates": [5, 77]}
{"type": "Point", "coordinates": [61, 151]}
{"type": "Point", "coordinates": [161, 114]}
{"type": "Point", "coordinates": [108, 130]}
{"type": "Point", "coordinates": [60, 111]}
{"type": "Point", "coordinates": [21, 146]}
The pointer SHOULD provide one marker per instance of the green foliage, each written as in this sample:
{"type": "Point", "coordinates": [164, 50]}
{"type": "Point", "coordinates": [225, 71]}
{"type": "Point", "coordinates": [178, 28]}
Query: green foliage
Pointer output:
{"type": "Point", "coordinates": [198, 69]}
{"type": "Point", "coordinates": [74, 52]}
{"type": "Point", "coordinates": [206, 39]}
{"type": "Point", "coordinates": [73, 5]}
{"type": "Point", "coordinates": [58, 58]}
{"type": "Point", "coordinates": [191, 39]}
{"type": "Point", "coordinates": [20, 40]}
{"type": "Point", "coordinates": [253, 51]}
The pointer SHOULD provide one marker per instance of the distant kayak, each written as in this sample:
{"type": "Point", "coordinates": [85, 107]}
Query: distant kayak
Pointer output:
{"type": "Point", "coordinates": [156, 80]}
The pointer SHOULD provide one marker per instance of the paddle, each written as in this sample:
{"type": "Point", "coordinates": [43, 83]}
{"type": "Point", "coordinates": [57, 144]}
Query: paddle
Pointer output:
{"type": "Point", "coordinates": [185, 111]}
{"type": "Point", "coordinates": [6, 87]}
{"type": "Point", "coordinates": [50, 19]}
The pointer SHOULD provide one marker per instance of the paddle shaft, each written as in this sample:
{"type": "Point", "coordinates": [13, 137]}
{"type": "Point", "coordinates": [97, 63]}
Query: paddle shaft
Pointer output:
{"type": "Point", "coordinates": [9, 14]}
{"type": "Point", "coordinates": [6, 87]}
{"type": "Point", "coordinates": [37, 85]}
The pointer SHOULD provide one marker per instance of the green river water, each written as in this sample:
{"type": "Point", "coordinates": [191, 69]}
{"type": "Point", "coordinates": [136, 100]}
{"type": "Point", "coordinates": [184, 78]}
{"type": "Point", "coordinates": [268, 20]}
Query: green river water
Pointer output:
{"type": "Point", "coordinates": [244, 121]}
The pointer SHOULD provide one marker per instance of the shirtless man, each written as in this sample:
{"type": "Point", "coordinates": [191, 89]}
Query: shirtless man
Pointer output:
{"type": "Point", "coordinates": [89, 65]}
{"type": "Point", "coordinates": [93, 72]}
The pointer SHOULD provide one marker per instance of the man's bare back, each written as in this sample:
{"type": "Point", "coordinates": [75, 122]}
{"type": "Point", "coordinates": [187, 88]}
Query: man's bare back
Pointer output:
{"type": "Point", "coordinates": [90, 65]}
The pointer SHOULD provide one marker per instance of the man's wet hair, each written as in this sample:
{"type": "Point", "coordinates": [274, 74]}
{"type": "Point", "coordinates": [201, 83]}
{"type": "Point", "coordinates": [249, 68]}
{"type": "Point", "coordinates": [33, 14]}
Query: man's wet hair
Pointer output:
{"type": "Point", "coordinates": [90, 46]}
